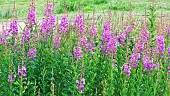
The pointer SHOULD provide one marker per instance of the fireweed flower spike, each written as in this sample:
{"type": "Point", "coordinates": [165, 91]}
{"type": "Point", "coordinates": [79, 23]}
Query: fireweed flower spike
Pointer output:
{"type": "Point", "coordinates": [48, 23]}
{"type": "Point", "coordinates": [80, 84]}
{"type": "Point", "coordinates": [3, 37]}
{"type": "Point", "coordinates": [13, 28]}
{"type": "Point", "coordinates": [168, 31]}
{"type": "Point", "coordinates": [78, 52]}
{"type": "Point", "coordinates": [126, 68]}
{"type": "Point", "coordinates": [148, 64]}
{"type": "Point", "coordinates": [32, 53]}
{"type": "Point", "coordinates": [134, 59]}
{"type": "Point", "coordinates": [78, 21]}
{"type": "Point", "coordinates": [64, 25]}
{"type": "Point", "coordinates": [22, 71]}
{"type": "Point", "coordinates": [31, 15]}
{"type": "Point", "coordinates": [10, 79]}
{"type": "Point", "coordinates": [26, 35]}
{"type": "Point", "coordinates": [168, 71]}
{"type": "Point", "coordinates": [122, 38]}
{"type": "Point", "coordinates": [79, 24]}
{"type": "Point", "coordinates": [168, 53]}
{"type": "Point", "coordinates": [56, 42]}
{"type": "Point", "coordinates": [141, 42]}
{"type": "Point", "coordinates": [160, 45]}
{"type": "Point", "coordinates": [93, 31]}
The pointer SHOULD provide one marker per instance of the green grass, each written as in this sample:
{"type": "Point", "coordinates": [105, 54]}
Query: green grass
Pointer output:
{"type": "Point", "coordinates": [72, 6]}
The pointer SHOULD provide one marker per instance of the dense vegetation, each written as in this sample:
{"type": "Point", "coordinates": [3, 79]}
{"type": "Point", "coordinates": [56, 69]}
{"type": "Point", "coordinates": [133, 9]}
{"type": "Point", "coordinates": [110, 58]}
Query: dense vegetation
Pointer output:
{"type": "Point", "coordinates": [97, 57]}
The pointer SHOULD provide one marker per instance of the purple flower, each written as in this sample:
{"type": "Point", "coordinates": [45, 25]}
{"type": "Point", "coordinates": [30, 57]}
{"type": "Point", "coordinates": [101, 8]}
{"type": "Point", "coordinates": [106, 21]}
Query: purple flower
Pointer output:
{"type": "Point", "coordinates": [160, 45]}
{"type": "Point", "coordinates": [102, 48]}
{"type": "Point", "coordinates": [168, 71]}
{"type": "Point", "coordinates": [126, 68]}
{"type": "Point", "coordinates": [78, 21]}
{"type": "Point", "coordinates": [83, 42]}
{"type": "Point", "coordinates": [122, 38]}
{"type": "Point", "coordinates": [106, 32]}
{"type": "Point", "coordinates": [82, 29]}
{"type": "Point", "coordinates": [80, 84]}
{"type": "Point", "coordinates": [31, 15]}
{"type": "Point", "coordinates": [22, 70]}
{"type": "Point", "coordinates": [148, 64]}
{"type": "Point", "coordinates": [111, 46]}
{"type": "Point", "coordinates": [32, 52]}
{"type": "Point", "coordinates": [48, 10]}
{"type": "Point", "coordinates": [168, 53]}
{"type": "Point", "coordinates": [93, 31]}
{"type": "Point", "coordinates": [129, 28]}
{"type": "Point", "coordinates": [134, 59]}
{"type": "Point", "coordinates": [91, 45]}
{"type": "Point", "coordinates": [56, 41]}
{"type": "Point", "coordinates": [141, 42]}
{"type": "Point", "coordinates": [26, 35]}
{"type": "Point", "coordinates": [79, 24]}
{"type": "Point", "coordinates": [3, 40]}
{"type": "Point", "coordinates": [10, 79]}
{"type": "Point", "coordinates": [78, 52]}
{"type": "Point", "coordinates": [13, 27]}
{"type": "Point", "coordinates": [48, 23]}
{"type": "Point", "coordinates": [64, 25]}
{"type": "Point", "coordinates": [25, 83]}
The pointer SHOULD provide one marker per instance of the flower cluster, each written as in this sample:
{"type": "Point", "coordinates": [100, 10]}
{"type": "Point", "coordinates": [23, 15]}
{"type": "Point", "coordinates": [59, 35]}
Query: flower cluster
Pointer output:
{"type": "Point", "coordinates": [168, 31]}
{"type": "Point", "coordinates": [129, 28]}
{"type": "Point", "coordinates": [126, 68]}
{"type": "Point", "coordinates": [31, 15]}
{"type": "Point", "coordinates": [13, 27]}
{"type": "Point", "coordinates": [56, 42]}
{"type": "Point", "coordinates": [141, 42]}
{"type": "Point", "coordinates": [79, 23]}
{"type": "Point", "coordinates": [32, 53]}
{"type": "Point", "coordinates": [64, 25]}
{"type": "Point", "coordinates": [83, 41]}
{"type": "Point", "coordinates": [48, 10]}
{"type": "Point", "coordinates": [22, 72]}
{"type": "Point", "coordinates": [168, 71]}
{"type": "Point", "coordinates": [10, 78]}
{"type": "Point", "coordinates": [168, 53]}
{"type": "Point", "coordinates": [122, 38]}
{"type": "Point", "coordinates": [78, 52]}
{"type": "Point", "coordinates": [159, 45]}
{"type": "Point", "coordinates": [81, 84]}
{"type": "Point", "coordinates": [134, 59]}
{"type": "Point", "coordinates": [48, 23]}
{"type": "Point", "coordinates": [148, 64]}
{"type": "Point", "coordinates": [106, 32]}
{"type": "Point", "coordinates": [110, 42]}
{"type": "Point", "coordinates": [26, 35]}
{"type": "Point", "coordinates": [3, 37]}
{"type": "Point", "coordinates": [93, 31]}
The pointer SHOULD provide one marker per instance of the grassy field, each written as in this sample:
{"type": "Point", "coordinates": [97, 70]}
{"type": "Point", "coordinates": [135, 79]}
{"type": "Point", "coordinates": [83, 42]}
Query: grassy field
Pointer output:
{"type": "Point", "coordinates": [87, 5]}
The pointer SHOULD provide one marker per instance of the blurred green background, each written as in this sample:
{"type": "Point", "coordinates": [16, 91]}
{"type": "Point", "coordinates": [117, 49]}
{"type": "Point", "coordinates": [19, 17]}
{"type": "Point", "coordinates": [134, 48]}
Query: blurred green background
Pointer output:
{"type": "Point", "coordinates": [72, 6]}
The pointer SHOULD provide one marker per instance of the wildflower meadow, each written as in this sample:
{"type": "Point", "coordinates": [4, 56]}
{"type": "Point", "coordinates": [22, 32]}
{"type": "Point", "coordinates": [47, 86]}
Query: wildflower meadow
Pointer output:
{"type": "Point", "coordinates": [108, 56]}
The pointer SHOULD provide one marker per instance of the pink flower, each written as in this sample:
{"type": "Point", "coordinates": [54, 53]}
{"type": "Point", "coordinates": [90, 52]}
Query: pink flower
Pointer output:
{"type": "Point", "coordinates": [80, 84]}
{"type": "Point", "coordinates": [78, 52]}
{"type": "Point", "coordinates": [10, 79]}
{"type": "Point", "coordinates": [126, 68]}
{"type": "Point", "coordinates": [32, 52]}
